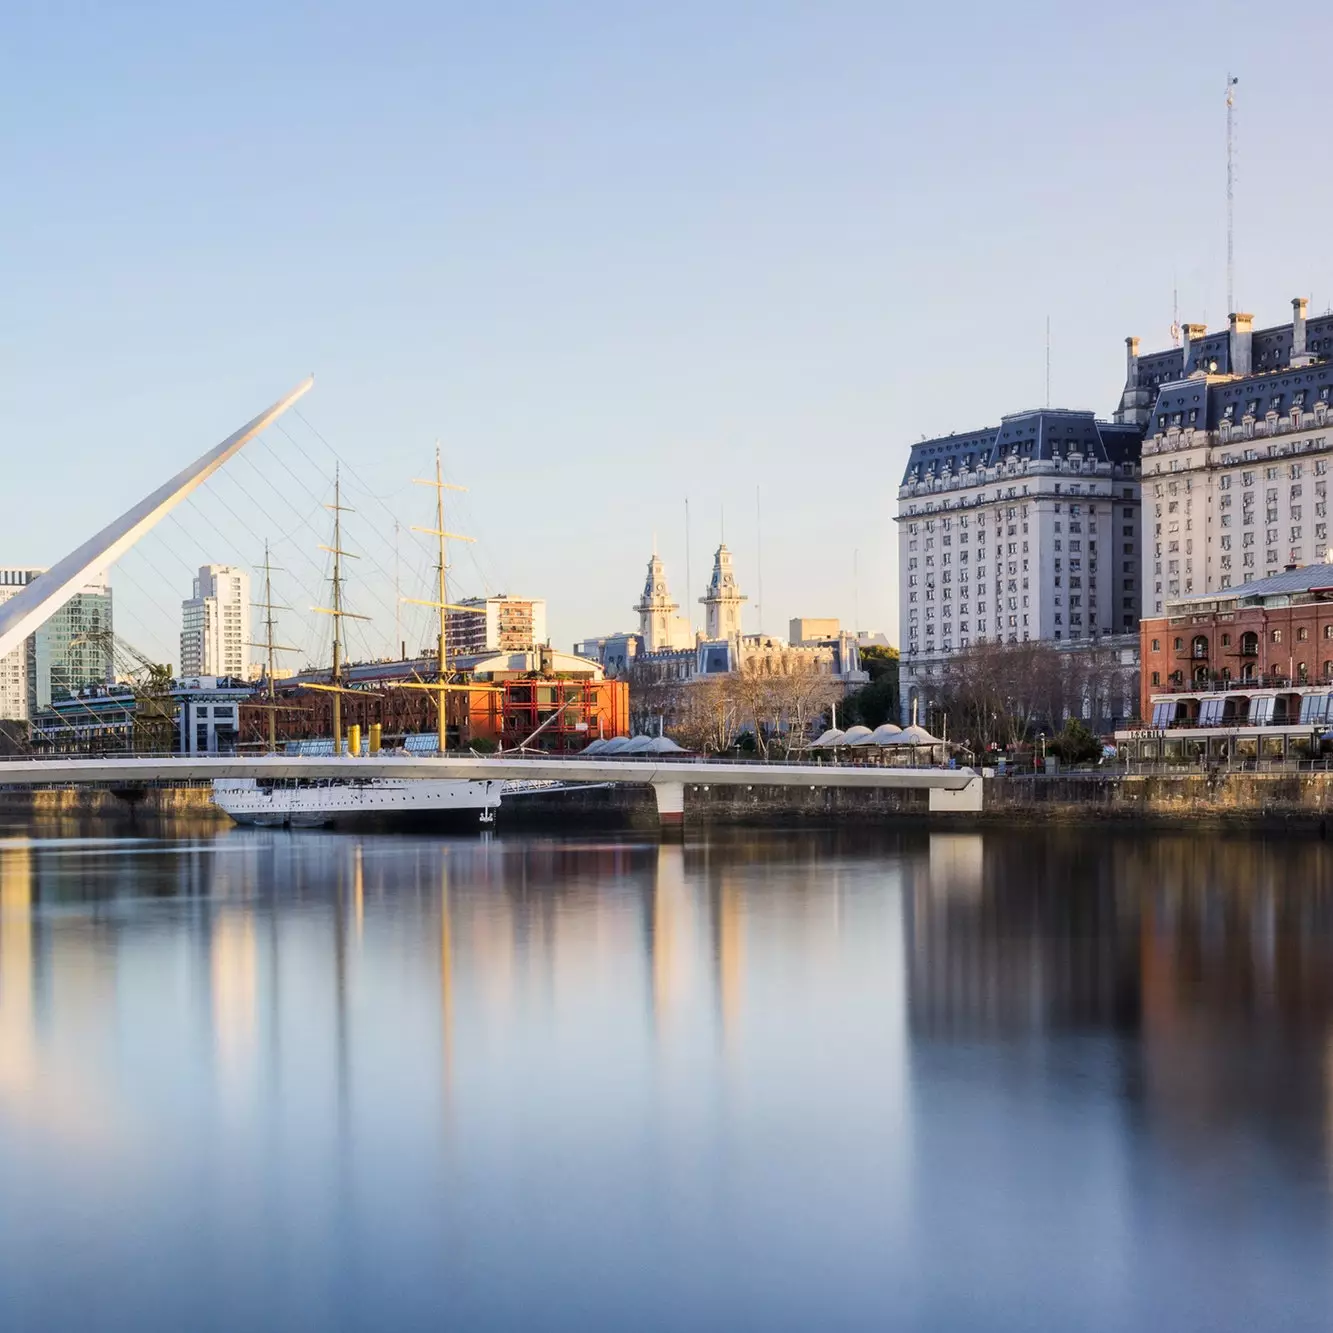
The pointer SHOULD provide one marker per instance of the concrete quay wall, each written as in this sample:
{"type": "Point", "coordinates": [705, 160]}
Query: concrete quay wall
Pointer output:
{"type": "Point", "coordinates": [1220, 797]}
{"type": "Point", "coordinates": [1226, 798]}
{"type": "Point", "coordinates": [193, 803]}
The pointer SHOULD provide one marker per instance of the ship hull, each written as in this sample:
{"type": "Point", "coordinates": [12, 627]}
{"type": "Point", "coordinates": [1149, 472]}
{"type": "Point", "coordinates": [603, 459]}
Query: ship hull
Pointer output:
{"type": "Point", "coordinates": [426, 805]}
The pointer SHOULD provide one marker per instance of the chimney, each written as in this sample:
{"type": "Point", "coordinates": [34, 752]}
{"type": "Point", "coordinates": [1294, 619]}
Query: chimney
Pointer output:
{"type": "Point", "coordinates": [1299, 356]}
{"type": "Point", "coordinates": [1191, 333]}
{"type": "Point", "coordinates": [1131, 363]}
{"type": "Point", "coordinates": [1242, 328]}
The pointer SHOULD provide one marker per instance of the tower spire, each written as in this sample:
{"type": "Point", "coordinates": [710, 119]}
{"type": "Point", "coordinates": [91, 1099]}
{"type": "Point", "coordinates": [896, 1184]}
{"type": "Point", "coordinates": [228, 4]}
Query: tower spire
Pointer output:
{"type": "Point", "coordinates": [722, 602]}
{"type": "Point", "coordinates": [655, 607]}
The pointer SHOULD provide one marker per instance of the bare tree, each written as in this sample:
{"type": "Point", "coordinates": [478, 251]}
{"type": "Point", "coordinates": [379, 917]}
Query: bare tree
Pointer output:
{"type": "Point", "coordinates": [994, 693]}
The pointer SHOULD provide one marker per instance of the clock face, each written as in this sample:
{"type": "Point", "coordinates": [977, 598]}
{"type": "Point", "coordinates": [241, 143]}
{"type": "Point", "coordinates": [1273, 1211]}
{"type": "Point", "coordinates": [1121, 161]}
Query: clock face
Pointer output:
{"type": "Point", "coordinates": [661, 587]}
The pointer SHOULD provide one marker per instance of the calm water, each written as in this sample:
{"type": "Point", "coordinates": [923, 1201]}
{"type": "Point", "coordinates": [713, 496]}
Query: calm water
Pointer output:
{"type": "Point", "coordinates": [1050, 1081]}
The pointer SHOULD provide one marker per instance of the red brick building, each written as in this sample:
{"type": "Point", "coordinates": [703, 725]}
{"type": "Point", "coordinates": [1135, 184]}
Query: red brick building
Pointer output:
{"type": "Point", "coordinates": [504, 699]}
{"type": "Point", "coordinates": [1273, 633]}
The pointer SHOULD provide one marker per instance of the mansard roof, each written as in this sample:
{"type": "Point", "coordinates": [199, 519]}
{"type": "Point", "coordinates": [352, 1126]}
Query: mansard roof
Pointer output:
{"type": "Point", "coordinates": [1303, 578]}
{"type": "Point", "coordinates": [1204, 404]}
{"type": "Point", "coordinates": [1042, 435]}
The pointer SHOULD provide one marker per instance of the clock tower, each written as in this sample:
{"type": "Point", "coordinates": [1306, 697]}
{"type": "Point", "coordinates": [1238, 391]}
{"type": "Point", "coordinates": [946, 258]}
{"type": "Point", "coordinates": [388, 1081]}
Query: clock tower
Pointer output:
{"type": "Point", "coordinates": [656, 609]}
{"type": "Point", "coordinates": [723, 599]}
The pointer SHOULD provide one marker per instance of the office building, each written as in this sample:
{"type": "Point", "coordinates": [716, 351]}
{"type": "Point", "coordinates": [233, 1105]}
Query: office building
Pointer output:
{"type": "Point", "coordinates": [1028, 530]}
{"type": "Point", "coordinates": [1236, 454]}
{"type": "Point", "coordinates": [14, 665]}
{"type": "Point", "coordinates": [72, 650]}
{"type": "Point", "coordinates": [813, 629]}
{"type": "Point", "coordinates": [497, 624]}
{"type": "Point", "coordinates": [215, 624]}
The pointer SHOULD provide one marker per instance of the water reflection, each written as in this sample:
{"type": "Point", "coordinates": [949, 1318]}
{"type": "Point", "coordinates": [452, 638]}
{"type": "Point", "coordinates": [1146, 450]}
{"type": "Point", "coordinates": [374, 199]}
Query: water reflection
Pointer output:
{"type": "Point", "coordinates": [763, 1076]}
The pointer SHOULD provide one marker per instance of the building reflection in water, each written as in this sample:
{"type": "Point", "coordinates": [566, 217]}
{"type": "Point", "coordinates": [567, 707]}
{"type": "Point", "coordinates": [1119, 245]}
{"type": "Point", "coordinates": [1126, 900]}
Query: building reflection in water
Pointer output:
{"type": "Point", "coordinates": [18, 1042]}
{"type": "Point", "coordinates": [426, 976]}
{"type": "Point", "coordinates": [57, 1007]}
{"type": "Point", "coordinates": [1208, 961]}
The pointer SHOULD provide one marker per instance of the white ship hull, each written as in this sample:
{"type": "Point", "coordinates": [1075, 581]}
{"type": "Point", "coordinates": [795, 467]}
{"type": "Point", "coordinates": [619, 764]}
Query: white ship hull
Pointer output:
{"type": "Point", "coordinates": [425, 801]}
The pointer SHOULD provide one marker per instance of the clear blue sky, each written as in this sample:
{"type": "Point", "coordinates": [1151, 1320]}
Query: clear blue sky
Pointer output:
{"type": "Point", "coordinates": [612, 255]}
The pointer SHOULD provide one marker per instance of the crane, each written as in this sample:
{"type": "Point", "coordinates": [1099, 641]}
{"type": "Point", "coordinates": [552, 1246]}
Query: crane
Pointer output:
{"type": "Point", "coordinates": [150, 683]}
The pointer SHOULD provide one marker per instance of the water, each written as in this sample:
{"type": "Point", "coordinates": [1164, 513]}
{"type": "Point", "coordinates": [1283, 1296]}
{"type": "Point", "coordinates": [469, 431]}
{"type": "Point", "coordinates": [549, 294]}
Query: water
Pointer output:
{"type": "Point", "coordinates": [765, 1081]}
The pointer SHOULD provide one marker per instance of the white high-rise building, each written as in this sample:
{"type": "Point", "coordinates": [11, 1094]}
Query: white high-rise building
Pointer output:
{"type": "Point", "coordinates": [1022, 531]}
{"type": "Point", "coordinates": [215, 623]}
{"type": "Point", "coordinates": [1236, 456]}
{"type": "Point", "coordinates": [13, 665]}
{"type": "Point", "coordinates": [723, 599]}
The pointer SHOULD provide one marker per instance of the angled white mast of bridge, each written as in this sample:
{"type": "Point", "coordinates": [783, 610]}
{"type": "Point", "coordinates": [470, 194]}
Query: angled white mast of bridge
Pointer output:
{"type": "Point", "coordinates": [46, 594]}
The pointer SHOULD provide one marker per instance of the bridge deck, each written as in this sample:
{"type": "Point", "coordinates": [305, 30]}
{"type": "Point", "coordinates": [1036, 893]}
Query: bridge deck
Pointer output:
{"type": "Point", "coordinates": [32, 772]}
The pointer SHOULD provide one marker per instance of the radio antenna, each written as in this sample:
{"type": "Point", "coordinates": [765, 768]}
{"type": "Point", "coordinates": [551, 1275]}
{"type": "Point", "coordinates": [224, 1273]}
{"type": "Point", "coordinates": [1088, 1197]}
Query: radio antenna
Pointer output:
{"type": "Point", "coordinates": [1232, 81]}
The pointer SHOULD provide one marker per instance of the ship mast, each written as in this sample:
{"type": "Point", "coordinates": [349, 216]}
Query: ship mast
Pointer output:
{"type": "Point", "coordinates": [442, 603]}
{"type": "Point", "coordinates": [335, 685]}
{"type": "Point", "coordinates": [271, 646]}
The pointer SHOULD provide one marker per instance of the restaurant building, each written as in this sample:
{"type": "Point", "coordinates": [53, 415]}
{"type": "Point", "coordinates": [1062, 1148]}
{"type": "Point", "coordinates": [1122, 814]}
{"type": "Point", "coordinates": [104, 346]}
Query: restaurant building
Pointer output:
{"type": "Point", "coordinates": [1246, 672]}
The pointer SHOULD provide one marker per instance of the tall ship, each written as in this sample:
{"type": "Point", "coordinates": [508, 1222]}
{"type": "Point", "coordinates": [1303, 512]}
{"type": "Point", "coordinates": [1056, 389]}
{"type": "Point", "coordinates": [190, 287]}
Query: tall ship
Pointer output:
{"type": "Point", "coordinates": [420, 802]}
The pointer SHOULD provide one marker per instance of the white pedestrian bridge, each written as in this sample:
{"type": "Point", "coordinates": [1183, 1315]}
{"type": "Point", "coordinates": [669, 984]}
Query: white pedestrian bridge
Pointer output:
{"type": "Point", "coordinates": [958, 789]}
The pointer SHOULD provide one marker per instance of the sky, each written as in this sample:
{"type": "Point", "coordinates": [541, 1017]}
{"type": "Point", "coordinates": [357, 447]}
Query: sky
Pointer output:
{"type": "Point", "coordinates": [613, 257]}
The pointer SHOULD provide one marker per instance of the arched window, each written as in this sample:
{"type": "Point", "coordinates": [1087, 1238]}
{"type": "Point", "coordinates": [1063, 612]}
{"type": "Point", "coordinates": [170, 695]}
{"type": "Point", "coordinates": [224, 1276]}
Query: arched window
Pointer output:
{"type": "Point", "coordinates": [1328, 670]}
{"type": "Point", "coordinates": [1199, 647]}
{"type": "Point", "coordinates": [1247, 671]}
{"type": "Point", "coordinates": [1201, 673]}
{"type": "Point", "coordinates": [1249, 644]}
{"type": "Point", "coordinates": [1302, 672]}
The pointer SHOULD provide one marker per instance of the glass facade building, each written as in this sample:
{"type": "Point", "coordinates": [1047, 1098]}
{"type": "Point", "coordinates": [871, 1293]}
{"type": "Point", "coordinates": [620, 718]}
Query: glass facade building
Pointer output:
{"type": "Point", "coordinates": [60, 659]}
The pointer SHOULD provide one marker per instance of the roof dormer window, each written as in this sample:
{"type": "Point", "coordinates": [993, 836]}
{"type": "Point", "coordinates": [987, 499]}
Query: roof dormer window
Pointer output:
{"type": "Point", "coordinates": [1230, 413]}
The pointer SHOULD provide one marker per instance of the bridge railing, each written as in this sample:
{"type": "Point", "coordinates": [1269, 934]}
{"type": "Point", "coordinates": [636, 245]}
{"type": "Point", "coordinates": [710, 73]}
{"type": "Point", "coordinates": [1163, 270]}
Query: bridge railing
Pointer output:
{"type": "Point", "coordinates": [657, 760]}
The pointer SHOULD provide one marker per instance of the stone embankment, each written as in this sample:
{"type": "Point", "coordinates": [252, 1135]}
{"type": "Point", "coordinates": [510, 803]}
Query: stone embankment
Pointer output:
{"type": "Point", "coordinates": [194, 803]}
{"type": "Point", "coordinates": [1222, 798]}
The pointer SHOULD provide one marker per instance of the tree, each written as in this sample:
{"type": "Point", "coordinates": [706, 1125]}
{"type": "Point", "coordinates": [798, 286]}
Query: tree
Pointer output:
{"type": "Point", "coordinates": [879, 700]}
{"type": "Point", "coordinates": [1075, 744]}
{"type": "Point", "coordinates": [993, 693]}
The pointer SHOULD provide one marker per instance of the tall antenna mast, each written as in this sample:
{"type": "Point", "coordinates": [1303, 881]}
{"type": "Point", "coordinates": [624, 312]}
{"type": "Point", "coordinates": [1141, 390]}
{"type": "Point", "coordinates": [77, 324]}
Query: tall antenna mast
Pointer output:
{"type": "Point", "coordinates": [689, 599]}
{"type": "Point", "coordinates": [442, 604]}
{"type": "Point", "coordinates": [1048, 361]}
{"type": "Point", "coordinates": [1231, 200]}
{"type": "Point", "coordinates": [856, 592]}
{"type": "Point", "coordinates": [759, 559]}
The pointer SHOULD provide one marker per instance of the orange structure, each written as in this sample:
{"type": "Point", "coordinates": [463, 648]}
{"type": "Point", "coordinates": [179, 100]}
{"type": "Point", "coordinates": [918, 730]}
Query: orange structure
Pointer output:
{"type": "Point", "coordinates": [565, 713]}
